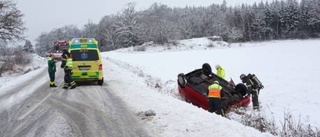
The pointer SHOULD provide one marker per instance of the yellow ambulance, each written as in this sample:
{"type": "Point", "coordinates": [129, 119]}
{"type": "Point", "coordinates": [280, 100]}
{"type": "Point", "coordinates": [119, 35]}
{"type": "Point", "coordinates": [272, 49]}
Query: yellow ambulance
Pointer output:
{"type": "Point", "coordinates": [87, 61]}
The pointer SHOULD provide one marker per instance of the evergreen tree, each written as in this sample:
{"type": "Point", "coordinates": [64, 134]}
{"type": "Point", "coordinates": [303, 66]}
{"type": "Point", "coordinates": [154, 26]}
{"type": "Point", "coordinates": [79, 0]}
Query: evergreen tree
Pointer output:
{"type": "Point", "coordinates": [28, 47]}
{"type": "Point", "coordinates": [279, 19]}
{"type": "Point", "coordinates": [314, 20]}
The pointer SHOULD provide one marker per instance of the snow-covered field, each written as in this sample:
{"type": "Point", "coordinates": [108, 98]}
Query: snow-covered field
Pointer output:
{"type": "Point", "coordinates": [147, 83]}
{"type": "Point", "coordinates": [288, 70]}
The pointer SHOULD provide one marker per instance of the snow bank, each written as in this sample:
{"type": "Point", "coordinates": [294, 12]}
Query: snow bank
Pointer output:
{"type": "Point", "coordinates": [180, 45]}
{"type": "Point", "coordinates": [36, 63]}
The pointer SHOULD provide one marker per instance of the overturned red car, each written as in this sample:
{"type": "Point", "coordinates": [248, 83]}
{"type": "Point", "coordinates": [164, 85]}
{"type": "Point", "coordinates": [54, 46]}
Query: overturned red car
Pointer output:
{"type": "Point", "coordinates": [193, 88]}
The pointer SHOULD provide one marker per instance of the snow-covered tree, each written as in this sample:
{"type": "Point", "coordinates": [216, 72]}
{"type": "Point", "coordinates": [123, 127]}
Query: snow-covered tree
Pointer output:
{"type": "Point", "coordinates": [45, 42]}
{"type": "Point", "coordinates": [235, 34]}
{"type": "Point", "coordinates": [3, 48]}
{"type": "Point", "coordinates": [314, 20]}
{"type": "Point", "coordinates": [109, 33]}
{"type": "Point", "coordinates": [289, 18]}
{"type": "Point", "coordinates": [90, 30]}
{"type": "Point", "coordinates": [156, 24]}
{"type": "Point", "coordinates": [305, 15]}
{"type": "Point", "coordinates": [160, 23]}
{"type": "Point", "coordinates": [28, 47]}
{"type": "Point", "coordinates": [11, 24]}
{"type": "Point", "coordinates": [128, 27]}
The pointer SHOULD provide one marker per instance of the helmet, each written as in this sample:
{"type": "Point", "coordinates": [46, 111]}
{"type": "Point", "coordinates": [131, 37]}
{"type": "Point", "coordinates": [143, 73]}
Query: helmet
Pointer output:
{"type": "Point", "coordinates": [242, 76]}
{"type": "Point", "coordinates": [218, 66]}
{"type": "Point", "coordinates": [216, 81]}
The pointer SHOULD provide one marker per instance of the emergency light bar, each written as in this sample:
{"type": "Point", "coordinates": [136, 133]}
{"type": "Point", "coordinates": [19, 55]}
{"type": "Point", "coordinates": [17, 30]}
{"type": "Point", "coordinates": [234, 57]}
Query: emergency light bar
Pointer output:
{"type": "Point", "coordinates": [83, 43]}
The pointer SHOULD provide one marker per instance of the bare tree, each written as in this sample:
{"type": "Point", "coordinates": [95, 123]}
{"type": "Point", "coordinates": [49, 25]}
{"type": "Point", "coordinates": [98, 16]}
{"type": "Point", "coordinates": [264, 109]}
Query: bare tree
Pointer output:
{"type": "Point", "coordinates": [90, 30]}
{"type": "Point", "coordinates": [109, 32]}
{"type": "Point", "coordinates": [127, 23]}
{"type": "Point", "coordinates": [11, 25]}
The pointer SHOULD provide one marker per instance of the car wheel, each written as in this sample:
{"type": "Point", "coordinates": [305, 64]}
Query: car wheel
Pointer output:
{"type": "Point", "coordinates": [242, 89]}
{"type": "Point", "coordinates": [206, 68]}
{"type": "Point", "coordinates": [182, 80]}
{"type": "Point", "coordinates": [100, 82]}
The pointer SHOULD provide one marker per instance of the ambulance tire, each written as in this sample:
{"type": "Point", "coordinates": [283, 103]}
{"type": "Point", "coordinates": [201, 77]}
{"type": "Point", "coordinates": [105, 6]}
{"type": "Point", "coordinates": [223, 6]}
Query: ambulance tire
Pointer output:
{"type": "Point", "coordinates": [100, 82]}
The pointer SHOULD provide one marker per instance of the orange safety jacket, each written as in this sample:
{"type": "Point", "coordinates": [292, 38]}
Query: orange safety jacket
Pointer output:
{"type": "Point", "coordinates": [214, 91]}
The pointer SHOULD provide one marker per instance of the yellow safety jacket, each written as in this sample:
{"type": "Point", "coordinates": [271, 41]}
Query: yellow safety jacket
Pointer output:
{"type": "Point", "coordinates": [221, 72]}
{"type": "Point", "coordinates": [69, 63]}
{"type": "Point", "coordinates": [214, 91]}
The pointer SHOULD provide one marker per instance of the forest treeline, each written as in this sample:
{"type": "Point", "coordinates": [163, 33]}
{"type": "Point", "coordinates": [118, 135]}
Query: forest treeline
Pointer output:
{"type": "Point", "coordinates": [288, 19]}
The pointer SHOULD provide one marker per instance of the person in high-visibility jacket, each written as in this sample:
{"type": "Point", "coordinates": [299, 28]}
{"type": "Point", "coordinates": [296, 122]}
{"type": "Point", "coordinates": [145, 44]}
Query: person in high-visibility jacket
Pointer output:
{"type": "Point", "coordinates": [214, 97]}
{"type": "Point", "coordinates": [220, 71]}
{"type": "Point", "coordinates": [67, 65]}
{"type": "Point", "coordinates": [51, 70]}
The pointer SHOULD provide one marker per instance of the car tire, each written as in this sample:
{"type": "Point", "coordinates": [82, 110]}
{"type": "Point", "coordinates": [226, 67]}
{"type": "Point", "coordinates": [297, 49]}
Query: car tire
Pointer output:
{"type": "Point", "coordinates": [182, 80]}
{"type": "Point", "coordinates": [242, 89]}
{"type": "Point", "coordinates": [100, 82]}
{"type": "Point", "coordinates": [206, 68]}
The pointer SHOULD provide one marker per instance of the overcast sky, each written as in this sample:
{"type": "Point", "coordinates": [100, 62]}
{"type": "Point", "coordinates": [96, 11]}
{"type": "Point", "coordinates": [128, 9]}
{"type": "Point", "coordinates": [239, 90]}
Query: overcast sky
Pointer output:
{"type": "Point", "coordinates": [45, 15]}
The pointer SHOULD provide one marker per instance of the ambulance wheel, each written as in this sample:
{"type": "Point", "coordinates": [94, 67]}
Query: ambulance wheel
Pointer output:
{"type": "Point", "coordinates": [206, 68]}
{"type": "Point", "coordinates": [242, 89]}
{"type": "Point", "coordinates": [182, 80]}
{"type": "Point", "coordinates": [100, 82]}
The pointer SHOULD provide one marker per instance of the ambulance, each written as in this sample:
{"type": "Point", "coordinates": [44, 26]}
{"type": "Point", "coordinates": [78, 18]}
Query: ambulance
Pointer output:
{"type": "Point", "coordinates": [87, 61]}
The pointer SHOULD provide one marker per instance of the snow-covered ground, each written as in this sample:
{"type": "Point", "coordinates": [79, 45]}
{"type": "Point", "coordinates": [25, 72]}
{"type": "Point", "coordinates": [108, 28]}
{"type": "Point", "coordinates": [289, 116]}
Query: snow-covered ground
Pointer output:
{"type": "Point", "coordinates": [288, 70]}
{"type": "Point", "coordinates": [36, 63]}
{"type": "Point", "coordinates": [147, 83]}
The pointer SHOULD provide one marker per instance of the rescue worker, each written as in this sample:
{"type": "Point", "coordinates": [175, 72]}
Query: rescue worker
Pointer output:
{"type": "Point", "coordinates": [220, 71]}
{"type": "Point", "coordinates": [51, 70]}
{"type": "Point", "coordinates": [214, 97]}
{"type": "Point", "coordinates": [252, 90]}
{"type": "Point", "coordinates": [67, 65]}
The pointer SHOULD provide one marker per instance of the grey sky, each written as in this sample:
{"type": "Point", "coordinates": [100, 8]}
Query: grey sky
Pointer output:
{"type": "Point", "coordinates": [45, 15]}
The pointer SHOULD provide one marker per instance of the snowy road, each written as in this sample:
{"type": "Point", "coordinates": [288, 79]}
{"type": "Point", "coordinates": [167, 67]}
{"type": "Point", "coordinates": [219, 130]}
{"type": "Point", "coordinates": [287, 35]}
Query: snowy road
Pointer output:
{"type": "Point", "coordinates": [86, 111]}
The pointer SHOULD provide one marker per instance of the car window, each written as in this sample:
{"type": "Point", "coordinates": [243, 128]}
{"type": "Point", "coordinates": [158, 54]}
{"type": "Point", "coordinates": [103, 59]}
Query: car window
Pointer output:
{"type": "Point", "coordinates": [84, 55]}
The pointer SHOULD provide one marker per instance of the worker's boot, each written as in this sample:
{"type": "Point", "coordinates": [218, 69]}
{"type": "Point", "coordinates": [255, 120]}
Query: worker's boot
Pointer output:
{"type": "Point", "coordinates": [73, 85]}
{"type": "Point", "coordinates": [53, 85]}
{"type": "Point", "coordinates": [255, 107]}
{"type": "Point", "coordinates": [65, 86]}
